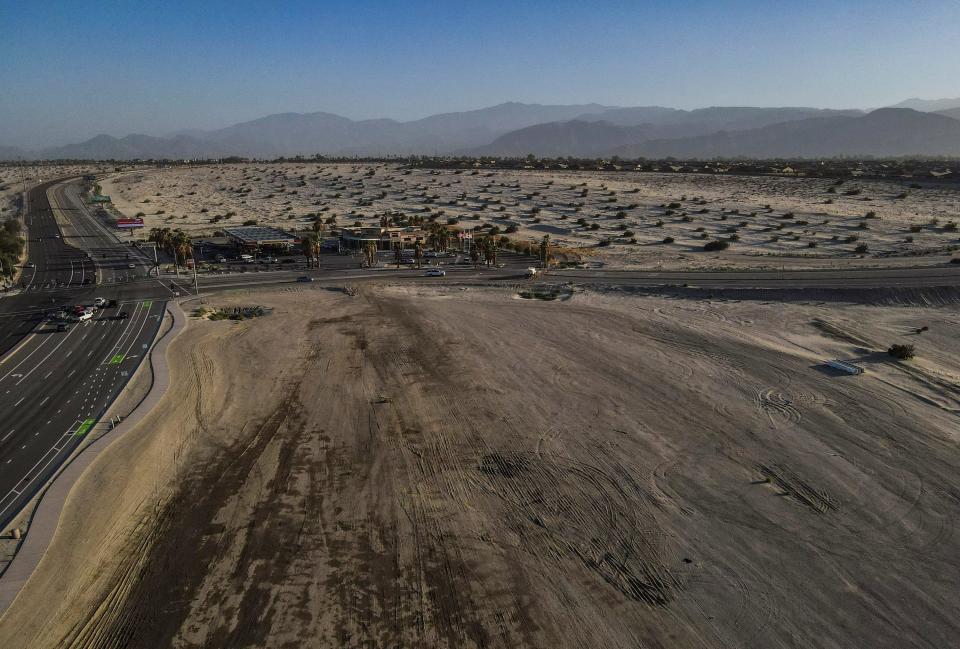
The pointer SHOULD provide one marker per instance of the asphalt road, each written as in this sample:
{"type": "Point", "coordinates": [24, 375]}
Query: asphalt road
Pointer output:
{"type": "Point", "coordinates": [55, 386]}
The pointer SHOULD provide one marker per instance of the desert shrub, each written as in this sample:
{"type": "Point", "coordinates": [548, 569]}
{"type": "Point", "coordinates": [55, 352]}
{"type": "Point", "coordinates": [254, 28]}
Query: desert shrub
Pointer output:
{"type": "Point", "coordinates": [250, 222]}
{"type": "Point", "coordinates": [139, 214]}
{"type": "Point", "coordinates": [916, 228]}
{"type": "Point", "coordinates": [861, 249]}
{"type": "Point", "coordinates": [668, 239]}
{"type": "Point", "coordinates": [712, 246]}
{"type": "Point", "coordinates": [901, 352]}
{"type": "Point", "coordinates": [950, 227]}
{"type": "Point", "coordinates": [811, 244]}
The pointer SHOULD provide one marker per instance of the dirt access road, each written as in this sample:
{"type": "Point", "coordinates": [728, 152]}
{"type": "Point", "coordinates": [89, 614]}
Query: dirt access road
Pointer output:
{"type": "Point", "coordinates": [462, 468]}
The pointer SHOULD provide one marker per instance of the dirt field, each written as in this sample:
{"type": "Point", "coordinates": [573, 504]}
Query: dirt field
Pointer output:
{"type": "Point", "coordinates": [464, 468]}
{"type": "Point", "coordinates": [769, 221]}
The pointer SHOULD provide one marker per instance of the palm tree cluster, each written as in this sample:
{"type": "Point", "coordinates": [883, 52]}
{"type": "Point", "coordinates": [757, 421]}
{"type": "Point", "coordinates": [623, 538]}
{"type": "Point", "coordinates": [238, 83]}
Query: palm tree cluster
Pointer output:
{"type": "Point", "coordinates": [310, 245]}
{"type": "Point", "coordinates": [175, 243]}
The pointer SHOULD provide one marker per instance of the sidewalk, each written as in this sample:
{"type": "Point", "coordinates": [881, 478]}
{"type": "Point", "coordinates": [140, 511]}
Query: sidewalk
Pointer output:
{"type": "Point", "coordinates": [46, 517]}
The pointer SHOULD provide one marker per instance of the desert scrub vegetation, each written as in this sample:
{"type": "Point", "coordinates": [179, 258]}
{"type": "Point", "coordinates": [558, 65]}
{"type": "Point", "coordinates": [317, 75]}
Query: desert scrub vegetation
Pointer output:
{"type": "Point", "coordinates": [715, 245]}
{"type": "Point", "coordinates": [11, 246]}
{"type": "Point", "coordinates": [901, 352]}
{"type": "Point", "coordinates": [236, 313]}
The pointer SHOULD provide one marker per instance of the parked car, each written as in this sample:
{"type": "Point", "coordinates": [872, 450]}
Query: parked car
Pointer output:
{"type": "Point", "coordinates": [304, 278]}
{"type": "Point", "coordinates": [435, 272]}
{"type": "Point", "coordinates": [63, 326]}
{"type": "Point", "coordinates": [99, 302]}
{"type": "Point", "coordinates": [123, 315]}
{"type": "Point", "coordinates": [86, 315]}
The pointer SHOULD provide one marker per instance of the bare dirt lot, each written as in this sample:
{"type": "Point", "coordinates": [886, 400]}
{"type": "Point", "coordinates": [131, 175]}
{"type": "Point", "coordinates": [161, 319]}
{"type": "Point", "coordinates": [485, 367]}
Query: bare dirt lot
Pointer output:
{"type": "Point", "coordinates": [652, 220]}
{"type": "Point", "coordinates": [439, 467]}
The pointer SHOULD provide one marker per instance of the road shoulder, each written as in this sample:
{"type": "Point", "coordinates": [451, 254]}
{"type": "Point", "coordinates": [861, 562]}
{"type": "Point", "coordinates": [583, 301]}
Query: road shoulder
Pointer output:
{"type": "Point", "coordinates": [46, 518]}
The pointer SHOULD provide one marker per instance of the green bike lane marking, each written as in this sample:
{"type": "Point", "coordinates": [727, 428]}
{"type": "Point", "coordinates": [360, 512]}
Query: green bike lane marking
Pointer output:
{"type": "Point", "coordinates": [117, 359]}
{"type": "Point", "coordinates": [84, 428]}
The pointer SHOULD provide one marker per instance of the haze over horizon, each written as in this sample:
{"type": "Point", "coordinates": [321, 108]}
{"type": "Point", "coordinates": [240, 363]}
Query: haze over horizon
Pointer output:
{"type": "Point", "coordinates": [73, 72]}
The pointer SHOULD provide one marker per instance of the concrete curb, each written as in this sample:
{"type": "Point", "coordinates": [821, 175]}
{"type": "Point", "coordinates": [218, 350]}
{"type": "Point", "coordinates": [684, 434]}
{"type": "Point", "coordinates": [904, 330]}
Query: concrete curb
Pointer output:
{"type": "Point", "coordinates": [46, 518]}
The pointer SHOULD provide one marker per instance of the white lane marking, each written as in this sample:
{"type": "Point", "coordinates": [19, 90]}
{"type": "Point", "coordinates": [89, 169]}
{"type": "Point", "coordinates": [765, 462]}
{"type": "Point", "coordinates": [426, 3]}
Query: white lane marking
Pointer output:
{"type": "Point", "coordinates": [4, 438]}
{"type": "Point", "coordinates": [19, 402]}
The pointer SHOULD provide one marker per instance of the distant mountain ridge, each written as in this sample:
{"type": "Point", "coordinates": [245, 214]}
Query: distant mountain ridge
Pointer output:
{"type": "Point", "coordinates": [929, 105]}
{"type": "Point", "coordinates": [886, 132]}
{"type": "Point", "coordinates": [517, 129]}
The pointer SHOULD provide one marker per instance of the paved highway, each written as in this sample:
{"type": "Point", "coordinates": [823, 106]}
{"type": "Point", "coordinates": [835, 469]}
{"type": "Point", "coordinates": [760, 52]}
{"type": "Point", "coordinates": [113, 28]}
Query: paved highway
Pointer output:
{"type": "Point", "coordinates": [55, 386]}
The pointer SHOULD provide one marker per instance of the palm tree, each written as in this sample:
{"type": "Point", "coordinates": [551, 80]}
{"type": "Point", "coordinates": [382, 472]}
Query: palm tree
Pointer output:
{"type": "Point", "coordinates": [370, 254]}
{"type": "Point", "coordinates": [181, 245]}
{"type": "Point", "coordinates": [306, 247]}
{"type": "Point", "coordinates": [545, 251]}
{"type": "Point", "coordinates": [418, 252]}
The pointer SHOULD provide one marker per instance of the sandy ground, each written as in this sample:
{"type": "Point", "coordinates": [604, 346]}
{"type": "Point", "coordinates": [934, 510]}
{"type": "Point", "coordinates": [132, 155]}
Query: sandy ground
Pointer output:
{"type": "Point", "coordinates": [776, 219]}
{"type": "Point", "coordinates": [12, 179]}
{"type": "Point", "coordinates": [464, 468]}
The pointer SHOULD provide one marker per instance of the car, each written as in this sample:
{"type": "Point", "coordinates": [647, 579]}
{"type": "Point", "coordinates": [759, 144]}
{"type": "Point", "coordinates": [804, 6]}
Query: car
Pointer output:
{"type": "Point", "coordinates": [123, 315]}
{"type": "Point", "coordinates": [86, 315]}
{"type": "Point", "coordinates": [111, 304]}
{"type": "Point", "coordinates": [131, 265]}
{"type": "Point", "coordinates": [63, 326]}
{"type": "Point", "coordinates": [56, 236]}
{"type": "Point", "coordinates": [435, 272]}
{"type": "Point", "coordinates": [99, 302]}
{"type": "Point", "coordinates": [87, 281]}
{"type": "Point", "coordinates": [29, 264]}
{"type": "Point", "coordinates": [304, 278]}
{"type": "Point", "coordinates": [221, 258]}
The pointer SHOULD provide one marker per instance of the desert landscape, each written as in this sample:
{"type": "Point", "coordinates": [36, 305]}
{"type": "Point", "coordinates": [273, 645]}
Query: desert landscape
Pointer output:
{"type": "Point", "coordinates": [460, 467]}
{"type": "Point", "coordinates": [624, 219]}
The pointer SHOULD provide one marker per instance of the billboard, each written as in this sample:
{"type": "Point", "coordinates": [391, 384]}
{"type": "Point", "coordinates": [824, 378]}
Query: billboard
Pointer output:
{"type": "Point", "coordinates": [129, 223]}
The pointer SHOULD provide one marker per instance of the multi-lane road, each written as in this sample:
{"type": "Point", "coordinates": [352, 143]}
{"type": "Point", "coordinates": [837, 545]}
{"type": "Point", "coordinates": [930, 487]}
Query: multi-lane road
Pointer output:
{"type": "Point", "coordinates": [56, 386]}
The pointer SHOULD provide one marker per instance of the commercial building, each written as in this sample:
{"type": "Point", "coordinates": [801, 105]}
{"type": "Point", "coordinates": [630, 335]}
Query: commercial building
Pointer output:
{"type": "Point", "coordinates": [255, 237]}
{"type": "Point", "coordinates": [384, 238]}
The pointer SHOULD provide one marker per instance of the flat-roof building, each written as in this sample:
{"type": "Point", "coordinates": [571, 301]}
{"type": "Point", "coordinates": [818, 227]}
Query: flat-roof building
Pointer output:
{"type": "Point", "coordinates": [385, 238]}
{"type": "Point", "coordinates": [250, 237]}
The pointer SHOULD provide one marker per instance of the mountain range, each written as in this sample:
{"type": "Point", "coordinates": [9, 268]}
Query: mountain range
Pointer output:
{"type": "Point", "coordinates": [914, 127]}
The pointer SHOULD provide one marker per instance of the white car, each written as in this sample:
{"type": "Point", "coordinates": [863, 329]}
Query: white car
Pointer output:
{"type": "Point", "coordinates": [86, 315]}
{"type": "Point", "coordinates": [99, 302]}
{"type": "Point", "coordinates": [435, 272]}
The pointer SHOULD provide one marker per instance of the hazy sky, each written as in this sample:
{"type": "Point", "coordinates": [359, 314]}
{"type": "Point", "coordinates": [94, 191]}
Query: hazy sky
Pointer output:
{"type": "Point", "coordinates": [71, 70]}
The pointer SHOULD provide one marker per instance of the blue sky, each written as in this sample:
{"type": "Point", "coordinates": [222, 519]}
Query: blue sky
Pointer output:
{"type": "Point", "coordinates": [70, 70]}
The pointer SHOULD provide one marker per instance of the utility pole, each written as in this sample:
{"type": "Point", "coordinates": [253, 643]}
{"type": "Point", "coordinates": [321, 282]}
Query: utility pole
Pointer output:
{"type": "Point", "coordinates": [196, 284]}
